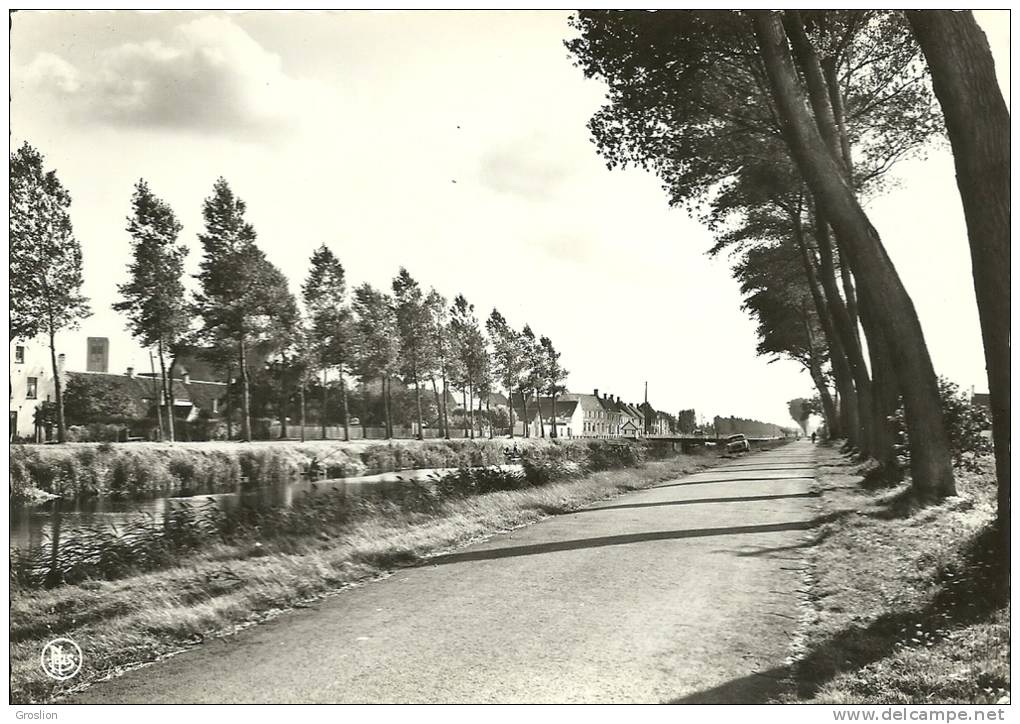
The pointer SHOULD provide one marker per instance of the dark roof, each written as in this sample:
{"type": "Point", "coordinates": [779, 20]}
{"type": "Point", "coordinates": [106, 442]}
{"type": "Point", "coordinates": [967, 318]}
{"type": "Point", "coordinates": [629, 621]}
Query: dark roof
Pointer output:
{"type": "Point", "coordinates": [982, 398]}
{"type": "Point", "coordinates": [200, 394]}
{"type": "Point", "coordinates": [563, 409]}
{"type": "Point", "coordinates": [495, 399]}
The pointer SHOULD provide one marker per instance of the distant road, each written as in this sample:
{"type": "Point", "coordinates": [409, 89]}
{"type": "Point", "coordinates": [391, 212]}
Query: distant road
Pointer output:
{"type": "Point", "coordinates": [679, 592]}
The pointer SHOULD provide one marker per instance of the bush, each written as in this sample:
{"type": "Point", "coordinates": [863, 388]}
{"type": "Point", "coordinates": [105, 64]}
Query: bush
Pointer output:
{"type": "Point", "coordinates": [965, 422]}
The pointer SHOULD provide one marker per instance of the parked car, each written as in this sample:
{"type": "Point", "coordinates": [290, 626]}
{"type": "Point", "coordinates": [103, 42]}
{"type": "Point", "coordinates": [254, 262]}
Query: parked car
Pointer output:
{"type": "Point", "coordinates": [737, 443]}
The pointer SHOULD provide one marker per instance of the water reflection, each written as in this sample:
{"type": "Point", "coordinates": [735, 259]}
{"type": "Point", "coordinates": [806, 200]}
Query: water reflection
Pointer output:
{"type": "Point", "coordinates": [33, 525]}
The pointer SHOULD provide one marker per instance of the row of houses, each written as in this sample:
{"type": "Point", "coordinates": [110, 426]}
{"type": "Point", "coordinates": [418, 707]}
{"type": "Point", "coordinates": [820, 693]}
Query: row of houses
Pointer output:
{"type": "Point", "coordinates": [198, 387]}
{"type": "Point", "coordinates": [576, 414]}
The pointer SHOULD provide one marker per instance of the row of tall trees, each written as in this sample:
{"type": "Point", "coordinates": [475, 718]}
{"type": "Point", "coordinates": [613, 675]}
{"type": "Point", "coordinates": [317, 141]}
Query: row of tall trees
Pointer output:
{"type": "Point", "coordinates": [242, 311]}
{"type": "Point", "coordinates": [774, 128]}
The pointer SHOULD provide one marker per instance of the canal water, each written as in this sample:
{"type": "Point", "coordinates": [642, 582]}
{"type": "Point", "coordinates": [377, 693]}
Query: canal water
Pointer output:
{"type": "Point", "coordinates": [32, 524]}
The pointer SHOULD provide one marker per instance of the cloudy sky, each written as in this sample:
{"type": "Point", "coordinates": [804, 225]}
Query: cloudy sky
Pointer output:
{"type": "Point", "coordinates": [452, 143]}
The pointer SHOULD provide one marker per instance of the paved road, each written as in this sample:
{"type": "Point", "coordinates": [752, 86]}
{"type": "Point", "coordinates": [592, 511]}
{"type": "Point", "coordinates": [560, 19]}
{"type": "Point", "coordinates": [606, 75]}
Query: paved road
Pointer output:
{"type": "Point", "coordinates": [678, 592]}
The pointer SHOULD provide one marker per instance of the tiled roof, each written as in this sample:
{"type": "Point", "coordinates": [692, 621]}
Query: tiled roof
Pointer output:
{"type": "Point", "coordinates": [147, 388]}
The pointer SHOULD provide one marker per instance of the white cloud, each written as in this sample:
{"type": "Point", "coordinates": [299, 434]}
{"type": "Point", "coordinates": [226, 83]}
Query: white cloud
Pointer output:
{"type": "Point", "coordinates": [210, 76]}
{"type": "Point", "coordinates": [533, 167]}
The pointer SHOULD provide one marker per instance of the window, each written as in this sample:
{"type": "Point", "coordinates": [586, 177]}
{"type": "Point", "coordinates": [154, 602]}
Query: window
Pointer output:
{"type": "Point", "coordinates": [33, 388]}
{"type": "Point", "coordinates": [19, 355]}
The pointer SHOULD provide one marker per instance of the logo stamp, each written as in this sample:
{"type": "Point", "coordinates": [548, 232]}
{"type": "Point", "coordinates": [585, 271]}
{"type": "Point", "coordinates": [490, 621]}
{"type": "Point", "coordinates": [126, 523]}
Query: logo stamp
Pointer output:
{"type": "Point", "coordinates": [61, 659]}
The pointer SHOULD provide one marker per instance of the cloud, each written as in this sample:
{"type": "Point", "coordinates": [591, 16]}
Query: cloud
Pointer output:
{"type": "Point", "coordinates": [532, 167]}
{"type": "Point", "coordinates": [210, 76]}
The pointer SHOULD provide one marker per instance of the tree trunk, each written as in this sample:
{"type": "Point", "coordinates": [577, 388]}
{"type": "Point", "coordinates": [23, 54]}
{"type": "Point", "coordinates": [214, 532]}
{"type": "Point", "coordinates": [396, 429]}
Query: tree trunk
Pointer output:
{"type": "Point", "coordinates": [302, 395]}
{"type": "Point", "coordinates": [471, 408]}
{"type": "Point", "coordinates": [57, 388]}
{"type": "Point", "coordinates": [510, 401]}
{"type": "Point", "coordinates": [488, 414]}
{"type": "Point", "coordinates": [828, 405]}
{"type": "Point", "coordinates": [879, 286]}
{"type": "Point", "coordinates": [526, 420]}
{"type": "Point", "coordinates": [439, 409]}
{"type": "Point", "coordinates": [846, 419]}
{"type": "Point", "coordinates": [885, 393]}
{"type": "Point", "coordinates": [228, 406]}
{"type": "Point", "coordinates": [815, 369]}
{"type": "Point", "coordinates": [963, 75]}
{"type": "Point", "coordinates": [417, 402]}
{"type": "Point", "coordinates": [446, 417]}
{"type": "Point", "coordinates": [554, 433]}
{"type": "Point", "coordinates": [541, 420]}
{"type": "Point", "coordinates": [386, 407]}
{"type": "Point", "coordinates": [847, 336]}
{"type": "Point", "coordinates": [245, 401]}
{"type": "Point", "coordinates": [464, 405]}
{"type": "Point", "coordinates": [325, 400]}
{"type": "Point", "coordinates": [343, 402]}
{"type": "Point", "coordinates": [159, 388]}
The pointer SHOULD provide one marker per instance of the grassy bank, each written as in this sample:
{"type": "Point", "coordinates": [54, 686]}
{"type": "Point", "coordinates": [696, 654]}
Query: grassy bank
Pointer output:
{"type": "Point", "coordinates": [223, 586]}
{"type": "Point", "coordinates": [908, 604]}
{"type": "Point", "coordinates": [128, 469]}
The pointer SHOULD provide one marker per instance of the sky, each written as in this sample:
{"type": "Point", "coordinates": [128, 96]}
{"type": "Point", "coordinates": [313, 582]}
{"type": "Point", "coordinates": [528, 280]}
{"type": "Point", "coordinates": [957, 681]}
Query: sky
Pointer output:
{"type": "Point", "coordinates": [453, 143]}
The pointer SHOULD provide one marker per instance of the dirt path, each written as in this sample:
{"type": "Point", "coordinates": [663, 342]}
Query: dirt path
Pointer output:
{"type": "Point", "coordinates": [681, 592]}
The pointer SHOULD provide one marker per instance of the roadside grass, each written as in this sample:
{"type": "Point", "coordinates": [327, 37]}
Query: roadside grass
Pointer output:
{"type": "Point", "coordinates": [910, 603]}
{"type": "Point", "coordinates": [123, 623]}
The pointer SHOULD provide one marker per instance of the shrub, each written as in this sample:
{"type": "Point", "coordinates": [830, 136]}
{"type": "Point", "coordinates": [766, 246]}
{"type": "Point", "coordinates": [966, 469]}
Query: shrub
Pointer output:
{"type": "Point", "coordinates": [965, 423]}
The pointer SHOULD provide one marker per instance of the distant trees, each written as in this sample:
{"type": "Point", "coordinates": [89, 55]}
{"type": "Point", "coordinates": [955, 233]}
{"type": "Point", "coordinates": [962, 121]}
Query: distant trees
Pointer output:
{"type": "Point", "coordinates": [243, 299]}
{"type": "Point", "coordinates": [376, 343]}
{"type": "Point", "coordinates": [508, 358]}
{"type": "Point", "coordinates": [153, 298]}
{"type": "Point", "coordinates": [45, 260]}
{"type": "Point", "coordinates": [438, 321]}
{"type": "Point", "coordinates": [470, 351]}
{"type": "Point", "coordinates": [413, 326]}
{"type": "Point", "coordinates": [553, 376]}
{"type": "Point", "coordinates": [330, 326]}
{"type": "Point", "coordinates": [800, 410]}
{"type": "Point", "coordinates": [686, 422]}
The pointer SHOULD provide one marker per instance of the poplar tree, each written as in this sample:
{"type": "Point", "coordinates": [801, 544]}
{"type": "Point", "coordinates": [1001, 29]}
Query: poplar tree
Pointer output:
{"type": "Point", "coordinates": [45, 260]}
{"type": "Point", "coordinates": [153, 298]}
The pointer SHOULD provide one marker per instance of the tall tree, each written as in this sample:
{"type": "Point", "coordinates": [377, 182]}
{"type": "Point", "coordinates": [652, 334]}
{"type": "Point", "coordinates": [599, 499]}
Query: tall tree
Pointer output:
{"type": "Point", "coordinates": [45, 260]}
{"type": "Point", "coordinates": [694, 96]}
{"type": "Point", "coordinates": [439, 332]}
{"type": "Point", "coordinates": [553, 377]}
{"type": "Point", "coordinates": [324, 294]}
{"type": "Point", "coordinates": [242, 296]}
{"type": "Point", "coordinates": [469, 346]}
{"type": "Point", "coordinates": [963, 73]}
{"type": "Point", "coordinates": [879, 284]}
{"type": "Point", "coordinates": [506, 356]}
{"type": "Point", "coordinates": [534, 377]}
{"type": "Point", "coordinates": [376, 344]}
{"type": "Point", "coordinates": [153, 298]}
{"type": "Point", "coordinates": [413, 328]}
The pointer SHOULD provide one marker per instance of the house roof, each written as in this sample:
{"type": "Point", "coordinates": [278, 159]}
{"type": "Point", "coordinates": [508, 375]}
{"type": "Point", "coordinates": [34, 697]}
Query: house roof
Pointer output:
{"type": "Point", "coordinates": [146, 389]}
{"type": "Point", "coordinates": [564, 410]}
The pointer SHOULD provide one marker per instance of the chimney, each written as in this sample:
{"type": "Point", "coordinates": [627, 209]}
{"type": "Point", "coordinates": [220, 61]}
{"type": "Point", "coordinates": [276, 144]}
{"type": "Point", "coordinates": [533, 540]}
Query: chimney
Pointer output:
{"type": "Point", "coordinates": [596, 392]}
{"type": "Point", "coordinates": [61, 358]}
{"type": "Point", "coordinates": [130, 371]}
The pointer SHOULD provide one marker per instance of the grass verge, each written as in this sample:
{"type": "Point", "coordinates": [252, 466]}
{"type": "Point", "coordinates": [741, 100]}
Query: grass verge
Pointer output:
{"type": "Point", "coordinates": [222, 588]}
{"type": "Point", "coordinates": [909, 603]}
